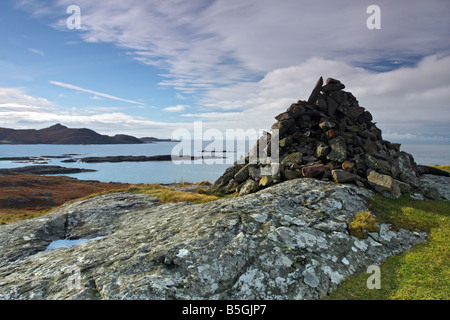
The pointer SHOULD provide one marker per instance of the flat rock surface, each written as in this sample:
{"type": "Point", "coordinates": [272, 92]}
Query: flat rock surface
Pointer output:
{"type": "Point", "coordinates": [289, 241]}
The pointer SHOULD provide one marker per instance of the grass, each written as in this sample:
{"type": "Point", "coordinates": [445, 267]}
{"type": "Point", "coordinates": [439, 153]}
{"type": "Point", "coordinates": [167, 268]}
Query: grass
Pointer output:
{"type": "Point", "coordinates": [199, 193]}
{"type": "Point", "coordinates": [166, 194]}
{"type": "Point", "coordinates": [422, 273]}
{"type": "Point", "coordinates": [11, 216]}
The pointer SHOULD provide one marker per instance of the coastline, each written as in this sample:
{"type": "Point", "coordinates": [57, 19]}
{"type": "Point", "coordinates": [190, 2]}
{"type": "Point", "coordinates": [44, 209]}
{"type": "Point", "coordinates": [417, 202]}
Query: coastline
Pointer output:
{"type": "Point", "coordinates": [25, 195]}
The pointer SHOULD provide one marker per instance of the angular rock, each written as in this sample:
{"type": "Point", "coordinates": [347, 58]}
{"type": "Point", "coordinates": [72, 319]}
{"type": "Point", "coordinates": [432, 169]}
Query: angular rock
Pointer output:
{"type": "Point", "coordinates": [248, 187]}
{"type": "Point", "coordinates": [326, 125]}
{"type": "Point", "coordinates": [231, 187]}
{"type": "Point", "coordinates": [283, 116]}
{"type": "Point", "coordinates": [285, 142]}
{"type": "Point", "coordinates": [332, 106]}
{"type": "Point", "coordinates": [283, 126]}
{"type": "Point", "coordinates": [266, 181]}
{"type": "Point", "coordinates": [330, 134]}
{"type": "Point", "coordinates": [314, 170]}
{"type": "Point", "coordinates": [351, 112]}
{"type": "Point", "coordinates": [242, 174]}
{"type": "Point", "coordinates": [338, 149]}
{"type": "Point", "coordinates": [322, 150]}
{"type": "Point", "coordinates": [316, 91]}
{"type": "Point", "coordinates": [342, 176]}
{"type": "Point", "coordinates": [377, 164]}
{"type": "Point", "coordinates": [332, 85]}
{"type": "Point", "coordinates": [293, 158]}
{"type": "Point", "coordinates": [226, 177]}
{"type": "Point", "coordinates": [413, 181]}
{"type": "Point", "coordinates": [321, 103]}
{"type": "Point", "coordinates": [289, 174]}
{"type": "Point", "coordinates": [384, 184]}
{"type": "Point", "coordinates": [254, 173]}
{"type": "Point", "coordinates": [348, 166]}
{"type": "Point", "coordinates": [296, 110]}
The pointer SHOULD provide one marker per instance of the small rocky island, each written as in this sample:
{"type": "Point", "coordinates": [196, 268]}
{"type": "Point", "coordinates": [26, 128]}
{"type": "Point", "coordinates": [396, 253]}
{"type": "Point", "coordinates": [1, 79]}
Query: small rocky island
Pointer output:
{"type": "Point", "coordinates": [285, 237]}
{"type": "Point", "coordinates": [43, 170]}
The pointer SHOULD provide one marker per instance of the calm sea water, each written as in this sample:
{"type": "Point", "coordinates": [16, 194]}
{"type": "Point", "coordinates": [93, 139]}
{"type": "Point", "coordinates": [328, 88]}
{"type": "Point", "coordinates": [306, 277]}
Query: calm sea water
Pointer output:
{"type": "Point", "coordinates": [163, 172]}
{"type": "Point", "coordinates": [127, 172]}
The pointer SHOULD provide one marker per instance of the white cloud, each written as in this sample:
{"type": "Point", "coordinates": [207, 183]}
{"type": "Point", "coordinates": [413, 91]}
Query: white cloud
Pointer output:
{"type": "Point", "coordinates": [20, 110]}
{"type": "Point", "coordinates": [96, 94]}
{"type": "Point", "coordinates": [177, 108]}
{"type": "Point", "coordinates": [411, 100]}
{"type": "Point", "coordinates": [17, 96]}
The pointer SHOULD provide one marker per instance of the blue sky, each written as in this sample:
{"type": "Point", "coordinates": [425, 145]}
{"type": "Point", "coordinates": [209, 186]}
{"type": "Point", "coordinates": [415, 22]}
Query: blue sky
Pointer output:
{"type": "Point", "coordinates": [149, 67]}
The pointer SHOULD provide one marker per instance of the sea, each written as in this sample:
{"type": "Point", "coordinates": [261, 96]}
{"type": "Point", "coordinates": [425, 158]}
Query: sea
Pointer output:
{"type": "Point", "coordinates": [163, 172]}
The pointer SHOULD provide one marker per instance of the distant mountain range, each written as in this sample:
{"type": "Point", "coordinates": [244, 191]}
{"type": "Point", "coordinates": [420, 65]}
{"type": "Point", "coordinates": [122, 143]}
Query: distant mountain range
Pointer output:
{"type": "Point", "coordinates": [59, 134]}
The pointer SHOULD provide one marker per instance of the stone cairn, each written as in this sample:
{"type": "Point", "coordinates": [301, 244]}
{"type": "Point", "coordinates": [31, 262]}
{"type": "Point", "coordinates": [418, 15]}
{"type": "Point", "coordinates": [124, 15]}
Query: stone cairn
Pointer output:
{"type": "Point", "coordinates": [328, 137]}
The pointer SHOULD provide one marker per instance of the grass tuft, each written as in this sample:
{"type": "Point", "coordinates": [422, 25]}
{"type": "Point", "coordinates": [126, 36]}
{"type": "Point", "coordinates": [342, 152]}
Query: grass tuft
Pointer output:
{"type": "Point", "coordinates": [363, 223]}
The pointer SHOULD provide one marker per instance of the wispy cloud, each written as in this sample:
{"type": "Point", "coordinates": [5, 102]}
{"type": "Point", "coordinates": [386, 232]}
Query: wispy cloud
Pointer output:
{"type": "Point", "coordinates": [95, 93]}
{"type": "Point", "coordinates": [203, 44]}
{"type": "Point", "coordinates": [36, 51]}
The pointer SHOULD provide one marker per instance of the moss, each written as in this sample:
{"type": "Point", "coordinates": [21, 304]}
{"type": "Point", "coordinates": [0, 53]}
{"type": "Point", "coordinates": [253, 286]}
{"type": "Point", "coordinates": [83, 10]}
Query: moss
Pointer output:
{"type": "Point", "coordinates": [363, 223]}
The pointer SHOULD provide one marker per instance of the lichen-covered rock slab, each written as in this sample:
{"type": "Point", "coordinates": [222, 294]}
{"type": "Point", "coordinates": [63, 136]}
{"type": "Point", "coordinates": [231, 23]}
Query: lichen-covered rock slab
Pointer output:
{"type": "Point", "coordinates": [288, 241]}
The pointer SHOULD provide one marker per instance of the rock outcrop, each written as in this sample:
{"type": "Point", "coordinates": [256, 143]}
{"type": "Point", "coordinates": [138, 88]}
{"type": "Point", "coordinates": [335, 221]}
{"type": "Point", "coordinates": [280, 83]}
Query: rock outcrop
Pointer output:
{"type": "Point", "coordinates": [288, 241]}
{"type": "Point", "coordinates": [328, 137]}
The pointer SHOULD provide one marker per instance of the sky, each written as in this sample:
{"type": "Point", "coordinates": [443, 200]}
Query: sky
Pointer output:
{"type": "Point", "coordinates": [150, 67]}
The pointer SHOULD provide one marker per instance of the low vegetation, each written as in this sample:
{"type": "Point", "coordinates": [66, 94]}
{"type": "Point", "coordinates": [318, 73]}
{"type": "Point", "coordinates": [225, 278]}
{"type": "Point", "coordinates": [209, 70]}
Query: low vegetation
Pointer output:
{"type": "Point", "coordinates": [25, 196]}
{"type": "Point", "coordinates": [30, 196]}
{"type": "Point", "coordinates": [175, 193]}
{"type": "Point", "coordinates": [421, 273]}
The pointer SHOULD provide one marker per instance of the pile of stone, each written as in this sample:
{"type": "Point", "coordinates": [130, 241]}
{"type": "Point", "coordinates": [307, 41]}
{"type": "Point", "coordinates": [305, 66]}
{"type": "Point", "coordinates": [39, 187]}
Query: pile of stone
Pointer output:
{"type": "Point", "coordinates": [328, 137]}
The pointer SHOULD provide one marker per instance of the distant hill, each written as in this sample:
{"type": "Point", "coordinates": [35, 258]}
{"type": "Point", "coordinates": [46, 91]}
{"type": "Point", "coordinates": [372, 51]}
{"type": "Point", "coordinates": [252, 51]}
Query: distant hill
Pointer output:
{"type": "Point", "coordinates": [59, 134]}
